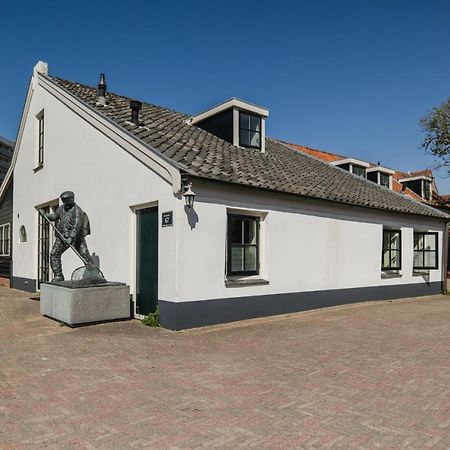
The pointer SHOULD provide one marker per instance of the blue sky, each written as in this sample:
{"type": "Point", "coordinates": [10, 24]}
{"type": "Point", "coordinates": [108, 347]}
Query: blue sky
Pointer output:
{"type": "Point", "coordinates": [351, 77]}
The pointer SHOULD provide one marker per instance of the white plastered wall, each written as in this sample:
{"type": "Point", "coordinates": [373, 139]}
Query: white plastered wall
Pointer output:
{"type": "Point", "coordinates": [108, 182]}
{"type": "Point", "coordinates": [305, 245]}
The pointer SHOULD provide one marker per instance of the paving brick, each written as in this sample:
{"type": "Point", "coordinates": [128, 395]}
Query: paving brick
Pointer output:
{"type": "Point", "coordinates": [373, 375]}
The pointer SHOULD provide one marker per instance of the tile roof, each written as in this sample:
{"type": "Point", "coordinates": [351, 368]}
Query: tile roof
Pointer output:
{"type": "Point", "coordinates": [319, 154]}
{"type": "Point", "coordinates": [280, 168]}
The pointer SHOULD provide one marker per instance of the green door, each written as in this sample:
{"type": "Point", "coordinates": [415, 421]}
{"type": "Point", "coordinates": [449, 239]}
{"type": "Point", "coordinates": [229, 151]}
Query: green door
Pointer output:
{"type": "Point", "coordinates": [147, 261]}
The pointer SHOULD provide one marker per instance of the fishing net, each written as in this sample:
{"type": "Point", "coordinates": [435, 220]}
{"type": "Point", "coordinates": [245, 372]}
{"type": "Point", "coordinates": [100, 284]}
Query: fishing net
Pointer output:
{"type": "Point", "coordinates": [88, 274]}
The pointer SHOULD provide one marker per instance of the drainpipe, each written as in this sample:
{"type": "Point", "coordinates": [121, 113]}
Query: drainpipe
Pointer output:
{"type": "Point", "coordinates": [445, 259]}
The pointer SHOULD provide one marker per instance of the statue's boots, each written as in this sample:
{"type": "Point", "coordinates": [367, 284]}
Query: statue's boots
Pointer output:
{"type": "Point", "coordinates": [58, 277]}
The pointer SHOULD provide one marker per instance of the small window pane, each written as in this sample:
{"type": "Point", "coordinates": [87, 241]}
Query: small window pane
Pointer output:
{"type": "Point", "coordinates": [255, 139]}
{"type": "Point", "coordinates": [395, 260]}
{"type": "Point", "coordinates": [430, 242]}
{"type": "Point", "coordinates": [395, 241]}
{"type": "Point", "coordinates": [235, 231]}
{"type": "Point", "coordinates": [418, 259]}
{"type": "Point", "coordinates": [430, 259]}
{"type": "Point", "coordinates": [249, 232]}
{"type": "Point", "coordinates": [386, 262]}
{"type": "Point", "coordinates": [244, 137]}
{"type": "Point", "coordinates": [244, 121]}
{"type": "Point", "coordinates": [255, 123]}
{"type": "Point", "coordinates": [237, 259]}
{"type": "Point", "coordinates": [250, 258]}
{"type": "Point", "coordinates": [418, 242]}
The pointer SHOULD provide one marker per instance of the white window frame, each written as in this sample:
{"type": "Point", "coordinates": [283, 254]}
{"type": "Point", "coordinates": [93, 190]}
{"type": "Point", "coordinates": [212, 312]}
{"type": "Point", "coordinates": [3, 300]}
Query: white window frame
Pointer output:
{"type": "Point", "coordinates": [3, 228]}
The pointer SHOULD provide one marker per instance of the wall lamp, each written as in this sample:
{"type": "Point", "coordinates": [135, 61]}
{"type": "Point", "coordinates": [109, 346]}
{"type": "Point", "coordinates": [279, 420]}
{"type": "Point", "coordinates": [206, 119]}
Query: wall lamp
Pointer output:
{"type": "Point", "coordinates": [189, 196]}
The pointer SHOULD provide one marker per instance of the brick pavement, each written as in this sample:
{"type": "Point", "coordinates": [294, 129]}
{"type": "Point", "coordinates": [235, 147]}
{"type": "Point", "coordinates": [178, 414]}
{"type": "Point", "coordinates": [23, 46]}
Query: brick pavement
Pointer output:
{"type": "Point", "coordinates": [374, 375]}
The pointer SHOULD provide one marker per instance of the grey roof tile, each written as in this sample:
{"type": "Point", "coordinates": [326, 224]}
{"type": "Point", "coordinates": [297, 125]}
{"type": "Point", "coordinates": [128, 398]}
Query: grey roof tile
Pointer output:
{"type": "Point", "coordinates": [280, 168]}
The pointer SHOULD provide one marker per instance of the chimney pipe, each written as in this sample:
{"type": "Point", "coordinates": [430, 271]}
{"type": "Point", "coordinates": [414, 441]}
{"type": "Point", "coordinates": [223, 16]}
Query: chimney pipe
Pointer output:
{"type": "Point", "coordinates": [101, 90]}
{"type": "Point", "coordinates": [135, 106]}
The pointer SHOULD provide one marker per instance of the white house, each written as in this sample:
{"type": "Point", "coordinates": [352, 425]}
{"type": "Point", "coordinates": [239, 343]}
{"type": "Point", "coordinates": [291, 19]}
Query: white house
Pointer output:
{"type": "Point", "coordinates": [271, 230]}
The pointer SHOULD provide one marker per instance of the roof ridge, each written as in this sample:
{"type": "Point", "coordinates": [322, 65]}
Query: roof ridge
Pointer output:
{"type": "Point", "coordinates": [311, 148]}
{"type": "Point", "coordinates": [153, 105]}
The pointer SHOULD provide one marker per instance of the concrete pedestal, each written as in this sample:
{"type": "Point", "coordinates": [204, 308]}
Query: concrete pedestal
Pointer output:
{"type": "Point", "coordinates": [75, 306]}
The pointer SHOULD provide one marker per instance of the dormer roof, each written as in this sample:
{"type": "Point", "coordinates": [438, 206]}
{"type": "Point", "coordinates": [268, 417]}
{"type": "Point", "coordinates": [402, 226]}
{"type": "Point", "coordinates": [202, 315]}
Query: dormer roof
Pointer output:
{"type": "Point", "coordinates": [356, 162]}
{"type": "Point", "coordinates": [228, 104]}
{"type": "Point", "coordinates": [381, 169]}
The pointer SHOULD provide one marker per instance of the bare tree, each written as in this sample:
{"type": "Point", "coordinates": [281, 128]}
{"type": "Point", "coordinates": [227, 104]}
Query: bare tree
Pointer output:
{"type": "Point", "coordinates": [436, 126]}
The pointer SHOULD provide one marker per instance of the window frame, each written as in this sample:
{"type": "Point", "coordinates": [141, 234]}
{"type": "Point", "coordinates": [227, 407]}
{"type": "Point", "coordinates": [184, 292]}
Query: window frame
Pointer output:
{"type": "Point", "coordinates": [381, 174]}
{"type": "Point", "coordinates": [426, 189]}
{"type": "Point", "coordinates": [399, 250]}
{"type": "Point", "coordinates": [229, 271]}
{"type": "Point", "coordinates": [424, 251]}
{"type": "Point", "coordinates": [250, 130]}
{"type": "Point", "coordinates": [40, 138]}
{"type": "Point", "coordinates": [5, 242]}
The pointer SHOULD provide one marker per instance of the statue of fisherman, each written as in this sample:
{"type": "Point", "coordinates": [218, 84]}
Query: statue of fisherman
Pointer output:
{"type": "Point", "coordinates": [73, 223]}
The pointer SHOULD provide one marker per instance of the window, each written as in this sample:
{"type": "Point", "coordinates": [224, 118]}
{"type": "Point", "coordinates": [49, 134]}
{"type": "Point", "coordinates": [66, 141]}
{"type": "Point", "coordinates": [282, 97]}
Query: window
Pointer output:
{"type": "Point", "coordinates": [40, 119]}
{"type": "Point", "coordinates": [22, 234]}
{"type": "Point", "coordinates": [5, 239]}
{"type": "Point", "coordinates": [358, 170]}
{"type": "Point", "coordinates": [392, 254]}
{"type": "Point", "coordinates": [425, 250]}
{"type": "Point", "coordinates": [243, 245]}
{"type": "Point", "coordinates": [249, 130]}
{"type": "Point", "coordinates": [384, 180]}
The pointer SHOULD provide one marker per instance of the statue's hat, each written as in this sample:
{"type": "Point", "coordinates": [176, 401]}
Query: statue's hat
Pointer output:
{"type": "Point", "coordinates": [67, 194]}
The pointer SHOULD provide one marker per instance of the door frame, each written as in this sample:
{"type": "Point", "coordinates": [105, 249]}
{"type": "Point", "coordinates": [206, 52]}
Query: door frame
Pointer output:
{"type": "Point", "coordinates": [50, 204]}
{"type": "Point", "coordinates": [133, 250]}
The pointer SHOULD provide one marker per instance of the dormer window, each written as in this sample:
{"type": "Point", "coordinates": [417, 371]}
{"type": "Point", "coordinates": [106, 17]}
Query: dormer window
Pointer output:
{"type": "Point", "coordinates": [380, 175]}
{"type": "Point", "coordinates": [420, 184]}
{"type": "Point", "coordinates": [237, 122]}
{"type": "Point", "coordinates": [249, 130]}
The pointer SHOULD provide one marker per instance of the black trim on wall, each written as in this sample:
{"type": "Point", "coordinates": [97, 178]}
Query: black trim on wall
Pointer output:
{"type": "Point", "coordinates": [182, 315]}
{"type": "Point", "coordinates": [23, 284]}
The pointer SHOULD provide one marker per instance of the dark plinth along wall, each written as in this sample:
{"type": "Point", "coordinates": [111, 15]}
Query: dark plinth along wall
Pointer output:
{"type": "Point", "coordinates": [6, 213]}
{"type": "Point", "coordinates": [178, 316]}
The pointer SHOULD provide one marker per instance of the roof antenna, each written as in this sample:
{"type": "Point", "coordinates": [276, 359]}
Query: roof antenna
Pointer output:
{"type": "Point", "coordinates": [101, 90]}
{"type": "Point", "coordinates": [135, 106]}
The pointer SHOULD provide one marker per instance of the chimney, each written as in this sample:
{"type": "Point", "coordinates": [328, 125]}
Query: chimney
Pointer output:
{"type": "Point", "coordinates": [135, 106]}
{"type": "Point", "coordinates": [101, 90]}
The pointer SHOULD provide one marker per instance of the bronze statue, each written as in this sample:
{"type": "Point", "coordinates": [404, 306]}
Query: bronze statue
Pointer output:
{"type": "Point", "coordinates": [72, 227]}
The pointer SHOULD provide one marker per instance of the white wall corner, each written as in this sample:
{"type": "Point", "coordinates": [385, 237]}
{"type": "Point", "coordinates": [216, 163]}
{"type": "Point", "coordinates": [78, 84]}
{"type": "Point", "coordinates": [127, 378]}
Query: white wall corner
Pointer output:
{"type": "Point", "coordinates": [263, 134]}
{"type": "Point", "coordinates": [40, 67]}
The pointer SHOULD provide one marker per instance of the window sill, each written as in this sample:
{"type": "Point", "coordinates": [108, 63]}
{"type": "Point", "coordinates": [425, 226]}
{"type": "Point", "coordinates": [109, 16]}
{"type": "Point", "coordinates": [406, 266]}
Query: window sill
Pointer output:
{"type": "Point", "coordinates": [38, 168]}
{"type": "Point", "coordinates": [238, 282]}
{"type": "Point", "coordinates": [419, 273]}
{"type": "Point", "coordinates": [385, 274]}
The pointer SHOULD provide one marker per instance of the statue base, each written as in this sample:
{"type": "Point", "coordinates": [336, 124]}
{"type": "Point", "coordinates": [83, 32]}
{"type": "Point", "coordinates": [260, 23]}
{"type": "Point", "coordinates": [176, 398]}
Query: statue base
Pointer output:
{"type": "Point", "coordinates": [80, 303]}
